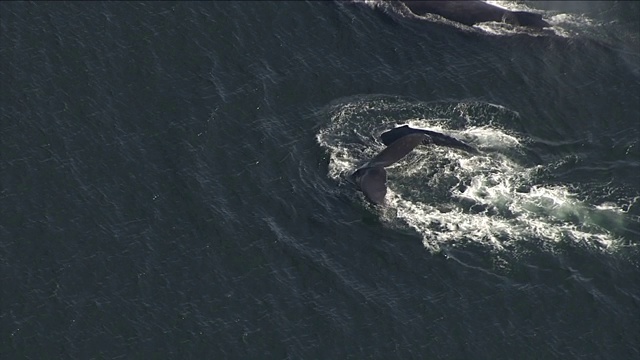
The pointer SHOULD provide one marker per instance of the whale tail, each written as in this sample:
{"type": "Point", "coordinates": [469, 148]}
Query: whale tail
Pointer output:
{"type": "Point", "coordinates": [391, 136]}
{"type": "Point", "coordinates": [372, 178]}
{"type": "Point", "coordinates": [373, 183]}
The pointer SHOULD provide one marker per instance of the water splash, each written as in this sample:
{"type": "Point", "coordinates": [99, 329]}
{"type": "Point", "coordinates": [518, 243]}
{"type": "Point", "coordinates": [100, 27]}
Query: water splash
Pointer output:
{"type": "Point", "coordinates": [446, 196]}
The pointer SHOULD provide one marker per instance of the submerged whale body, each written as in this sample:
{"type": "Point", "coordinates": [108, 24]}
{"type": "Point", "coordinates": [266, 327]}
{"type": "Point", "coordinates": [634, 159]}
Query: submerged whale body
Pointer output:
{"type": "Point", "coordinates": [471, 12]}
{"type": "Point", "coordinates": [390, 136]}
{"type": "Point", "coordinates": [372, 177]}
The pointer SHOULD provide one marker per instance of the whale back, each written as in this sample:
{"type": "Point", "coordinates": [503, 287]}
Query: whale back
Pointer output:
{"type": "Point", "coordinates": [471, 12]}
{"type": "Point", "coordinates": [530, 19]}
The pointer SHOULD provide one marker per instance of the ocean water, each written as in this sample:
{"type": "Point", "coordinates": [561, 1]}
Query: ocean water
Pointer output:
{"type": "Point", "coordinates": [175, 182]}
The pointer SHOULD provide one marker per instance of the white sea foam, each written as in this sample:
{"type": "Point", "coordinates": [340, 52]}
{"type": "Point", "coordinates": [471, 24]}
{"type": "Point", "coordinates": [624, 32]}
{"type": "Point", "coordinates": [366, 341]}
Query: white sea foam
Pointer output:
{"type": "Point", "coordinates": [505, 206]}
{"type": "Point", "coordinates": [448, 196]}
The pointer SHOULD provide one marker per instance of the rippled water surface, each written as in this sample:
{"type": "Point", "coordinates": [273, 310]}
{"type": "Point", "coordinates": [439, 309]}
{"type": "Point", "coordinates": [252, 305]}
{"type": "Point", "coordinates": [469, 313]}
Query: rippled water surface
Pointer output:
{"type": "Point", "coordinates": [175, 182]}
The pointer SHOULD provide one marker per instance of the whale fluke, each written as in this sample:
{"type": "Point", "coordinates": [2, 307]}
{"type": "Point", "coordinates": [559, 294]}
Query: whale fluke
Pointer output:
{"type": "Point", "coordinates": [390, 136]}
{"type": "Point", "coordinates": [373, 183]}
{"type": "Point", "coordinates": [372, 177]}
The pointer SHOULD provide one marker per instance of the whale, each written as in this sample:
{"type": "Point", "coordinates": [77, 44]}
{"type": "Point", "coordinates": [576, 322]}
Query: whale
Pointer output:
{"type": "Point", "coordinates": [432, 137]}
{"type": "Point", "coordinates": [372, 177]}
{"type": "Point", "coordinates": [471, 12]}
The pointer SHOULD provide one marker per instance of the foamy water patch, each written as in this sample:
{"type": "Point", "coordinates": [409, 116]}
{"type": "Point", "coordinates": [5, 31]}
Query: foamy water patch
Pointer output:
{"type": "Point", "coordinates": [494, 203]}
{"type": "Point", "coordinates": [502, 188]}
{"type": "Point", "coordinates": [449, 197]}
{"type": "Point", "coordinates": [570, 25]}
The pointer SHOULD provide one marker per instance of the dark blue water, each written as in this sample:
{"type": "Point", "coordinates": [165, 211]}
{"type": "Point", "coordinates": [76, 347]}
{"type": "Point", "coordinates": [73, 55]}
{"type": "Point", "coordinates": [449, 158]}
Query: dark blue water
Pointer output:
{"type": "Point", "coordinates": [174, 182]}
